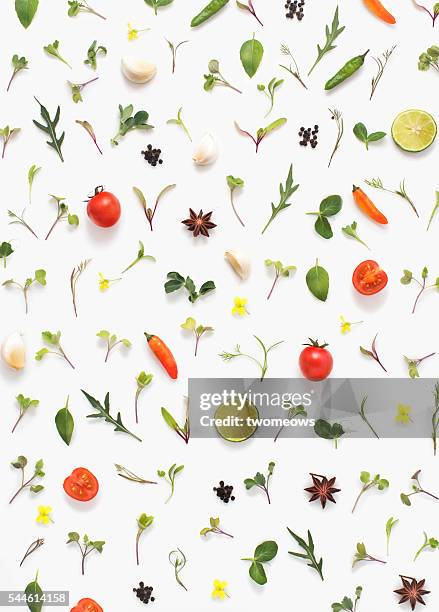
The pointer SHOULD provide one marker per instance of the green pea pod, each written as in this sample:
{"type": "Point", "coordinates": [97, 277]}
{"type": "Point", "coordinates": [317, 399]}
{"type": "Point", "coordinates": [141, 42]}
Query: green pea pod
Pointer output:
{"type": "Point", "coordinates": [347, 71]}
{"type": "Point", "coordinates": [208, 11]}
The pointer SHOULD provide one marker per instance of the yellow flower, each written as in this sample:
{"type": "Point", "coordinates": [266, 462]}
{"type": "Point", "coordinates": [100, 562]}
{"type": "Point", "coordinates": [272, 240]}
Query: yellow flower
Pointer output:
{"type": "Point", "coordinates": [240, 306]}
{"type": "Point", "coordinates": [133, 33]}
{"type": "Point", "coordinates": [403, 414]}
{"type": "Point", "coordinates": [44, 515]}
{"type": "Point", "coordinates": [104, 283]}
{"type": "Point", "coordinates": [219, 589]}
{"type": "Point", "coordinates": [347, 325]}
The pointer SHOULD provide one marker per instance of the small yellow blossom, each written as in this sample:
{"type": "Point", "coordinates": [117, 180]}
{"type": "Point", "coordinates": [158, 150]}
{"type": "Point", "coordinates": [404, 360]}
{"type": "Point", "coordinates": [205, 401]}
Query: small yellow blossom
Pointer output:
{"type": "Point", "coordinates": [44, 515]}
{"type": "Point", "coordinates": [104, 283]}
{"type": "Point", "coordinates": [133, 33]}
{"type": "Point", "coordinates": [403, 414]}
{"type": "Point", "coordinates": [240, 306]}
{"type": "Point", "coordinates": [219, 589]}
{"type": "Point", "coordinates": [347, 325]}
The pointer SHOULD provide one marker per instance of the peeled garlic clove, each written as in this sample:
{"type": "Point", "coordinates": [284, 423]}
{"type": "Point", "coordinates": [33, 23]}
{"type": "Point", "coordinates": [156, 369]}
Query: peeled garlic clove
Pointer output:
{"type": "Point", "coordinates": [138, 70]}
{"type": "Point", "coordinates": [206, 151]}
{"type": "Point", "coordinates": [239, 262]}
{"type": "Point", "coordinates": [13, 351]}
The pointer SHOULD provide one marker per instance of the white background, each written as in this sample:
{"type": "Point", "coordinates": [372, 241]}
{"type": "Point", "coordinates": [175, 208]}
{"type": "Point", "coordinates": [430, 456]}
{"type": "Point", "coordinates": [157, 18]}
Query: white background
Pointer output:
{"type": "Point", "coordinates": [138, 303]}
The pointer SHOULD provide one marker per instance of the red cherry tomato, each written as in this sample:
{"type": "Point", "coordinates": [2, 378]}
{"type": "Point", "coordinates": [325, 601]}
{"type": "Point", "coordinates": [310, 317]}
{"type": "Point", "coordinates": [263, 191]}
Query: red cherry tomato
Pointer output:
{"type": "Point", "coordinates": [87, 605]}
{"type": "Point", "coordinates": [103, 208]}
{"type": "Point", "coordinates": [368, 278]}
{"type": "Point", "coordinates": [81, 485]}
{"type": "Point", "coordinates": [315, 361]}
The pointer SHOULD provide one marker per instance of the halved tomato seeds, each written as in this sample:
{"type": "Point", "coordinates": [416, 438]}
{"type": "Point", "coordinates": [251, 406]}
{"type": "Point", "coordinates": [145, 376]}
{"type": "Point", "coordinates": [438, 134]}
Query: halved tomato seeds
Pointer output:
{"type": "Point", "coordinates": [87, 605]}
{"type": "Point", "coordinates": [81, 485]}
{"type": "Point", "coordinates": [368, 278]}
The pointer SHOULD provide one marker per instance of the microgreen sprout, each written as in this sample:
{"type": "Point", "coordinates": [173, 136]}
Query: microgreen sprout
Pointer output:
{"type": "Point", "coordinates": [370, 483]}
{"type": "Point", "coordinates": [39, 277]}
{"type": "Point", "coordinates": [52, 339]}
{"type": "Point", "coordinates": [416, 489]}
{"type": "Point", "coordinates": [112, 341]}
{"type": "Point", "coordinates": [226, 356]}
{"type": "Point", "coordinates": [261, 481]}
{"type": "Point", "coordinates": [143, 522]}
{"type": "Point", "coordinates": [19, 464]}
{"type": "Point", "coordinates": [170, 477]}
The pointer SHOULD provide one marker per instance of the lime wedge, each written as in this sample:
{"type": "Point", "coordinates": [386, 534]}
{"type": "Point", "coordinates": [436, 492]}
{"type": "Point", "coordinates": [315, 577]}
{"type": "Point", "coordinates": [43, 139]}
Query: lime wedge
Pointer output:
{"type": "Point", "coordinates": [236, 423]}
{"type": "Point", "coordinates": [414, 130]}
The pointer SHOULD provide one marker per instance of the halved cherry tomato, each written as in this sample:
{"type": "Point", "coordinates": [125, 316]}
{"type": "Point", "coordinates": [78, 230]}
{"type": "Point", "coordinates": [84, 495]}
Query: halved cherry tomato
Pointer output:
{"type": "Point", "coordinates": [87, 605]}
{"type": "Point", "coordinates": [81, 485]}
{"type": "Point", "coordinates": [103, 208]}
{"type": "Point", "coordinates": [368, 278]}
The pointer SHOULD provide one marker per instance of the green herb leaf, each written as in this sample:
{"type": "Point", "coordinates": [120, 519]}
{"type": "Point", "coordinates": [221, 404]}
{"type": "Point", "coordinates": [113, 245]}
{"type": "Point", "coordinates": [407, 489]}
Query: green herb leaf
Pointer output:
{"type": "Point", "coordinates": [64, 423]}
{"type": "Point", "coordinates": [317, 280]}
{"type": "Point", "coordinates": [26, 10]}
{"type": "Point", "coordinates": [331, 205]}
{"type": "Point", "coordinates": [331, 35]}
{"type": "Point", "coordinates": [34, 595]}
{"type": "Point", "coordinates": [50, 128]}
{"type": "Point", "coordinates": [251, 55]}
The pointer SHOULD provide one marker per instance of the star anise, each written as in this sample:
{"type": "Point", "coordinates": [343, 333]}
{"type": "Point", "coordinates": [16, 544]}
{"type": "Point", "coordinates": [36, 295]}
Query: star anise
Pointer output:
{"type": "Point", "coordinates": [412, 591]}
{"type": "Point", "coordinates": [322, 489]}
{"type": "Point", "coordinates": [199, 223]}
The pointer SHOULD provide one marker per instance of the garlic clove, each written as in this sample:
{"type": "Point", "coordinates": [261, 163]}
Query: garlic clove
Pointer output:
{"type": "Point", "coordinates": [206, 152]}
{"type": "Point", "coordinates": [138, 70]}
{"type": "Point", "coordinates": [240, 263]}
{"type": "Point", "coordinates": [13, 351]}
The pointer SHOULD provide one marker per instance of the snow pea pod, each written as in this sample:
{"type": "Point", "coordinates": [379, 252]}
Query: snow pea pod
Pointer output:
{"type": "Point", "coordinates": [208, 11]}
{"type": "Point", "coordinates": [347, 71]}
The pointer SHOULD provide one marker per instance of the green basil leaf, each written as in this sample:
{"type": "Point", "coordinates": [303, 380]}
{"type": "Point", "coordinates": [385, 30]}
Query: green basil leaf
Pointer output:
{"type": "Point", "coordinates": [257, 573]}
{"type": "Point", "coordinates": [266, 551]}
{"type": "Point", "coordinates": [26, 10]}
{"type": "Point", "coordinates": [34, 589]}
{"type": "Point", "coordinates": [323, 429]}
{"type": "Point", "coordinates": [360, 132]}
{"type": "Point", "coordinates": [206, 287]}
{"type": "Point", "coordinates": [251, 55]}
{"type": "Point", "coordinates": [65, 424]}
{"type": "Point", "coordinates": [323, 227]}
{"type": "Point", "coordinates": [331, 205]}
{"type": "Point", "coordinates": [376, 136]}
{"type": "Point", "coordinates": [317, 280]}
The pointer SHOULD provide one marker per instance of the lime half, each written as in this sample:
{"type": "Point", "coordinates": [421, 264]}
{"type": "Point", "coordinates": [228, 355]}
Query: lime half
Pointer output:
{"type": "Point", "coordinates": [414, 130]}
{"type": "Point", "coordinates": [236, 423]}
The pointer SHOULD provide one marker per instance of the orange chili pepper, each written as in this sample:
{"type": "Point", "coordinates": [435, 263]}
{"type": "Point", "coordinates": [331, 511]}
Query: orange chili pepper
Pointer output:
{"type": "Point", "coordinates": [163, 354]}
{"type": "Point", "coordinates": [378, 9]}
{"type": "Point", "coordinates": [367, 206]}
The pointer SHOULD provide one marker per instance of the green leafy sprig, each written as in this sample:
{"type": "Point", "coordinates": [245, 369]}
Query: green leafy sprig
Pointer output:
{"type": "Point", "coordinates": [53, 50]}
{"type": "Point", "coordinates": [372, 353]}
{"type": "Point", "coordinates": [329, 207]}
{"type": "Point", "coordinates": [19, 220]}
{"type": "Point", "coordinates": [363, 136]}
{"type": "Point", "coordinates": [112, 341]}
{"type": "Point", "coordinates": [103, 412]}
{"type": "Point", "coordinates": [270, 91]}
{"type": "Point", "coordinates": [329, 431]}
{"type": "Point", "coordinates": [362, 413]}
{"type": "Point", "coordinates": [351, 230]}
{"type": "Point", "coordinates": [74, 277]}
{"type": "Point", "coordinates": [86, 547]}
{"type": "Point", "coordinates": [24, 403]}
{"type": "Point", "coordinates": [317, 281]}
{"type": "Point", "coordinates": [143, 380]}
{"type": "Point", "coordinates": [76, 89]}
{"type": "Point", "coordinates": [264, 552]}
{"type": "Point", "coordinates": [337, 116]}
{"type": "Point", "coordinates": [170, 477]}
{"type": "Point", "coordinates": [214, 528]}
{"type": "Point", "coordinates": [156, 4]}
{"type": "Point", "coordinates": [381, 63]}
{"type": "Point", "coordinates": [93, 52]}
{"type": "Point", "coordinates": [52, 339]}
{"type": "Point", "coordinates": [216, 78]}
{"type": "Point", "coordinates": [262, 132]}
{"type": "Point", "coordinates": [198, 330]}
{"type": "Point", "coordinates": [226, 356]}
{"type": "Point", "coordinates": [294, 71]}
{"type": "Point", "coordinates": [39, 277]}
{"type": "Point", "coordinates": [235, 182]}
{"type": "Point", "coordinates": [174, 48]}
{"type": "Point", "coordinates": [331, 36]}
{"type": "Point", "coordinates": [413, 364]}
{"type": "Point", "coordinates": [370, 483]}
{"type": "Point", "coordinates": [81, 7]}
{"type": "Point", "coordinates": [261, 481]}
{"type": "Point", "coordinates": [5, 250]}
{"type": "Point", "coordinates": [293, 412]}
{"type": "Point", "coordinates": [140, 256]}
{"type": "Point", "coordinates": [401, 192]}
{"type": "Point", "coordinates": [308, 554]}
{"type": "Point", "coordinates": [62, 214]}
{"type": "Point", "coordinates": [50, 129]}
{"type": "Point", "coordinates": [285, 194]}
{"type": "Point", "coordinates": [346, 604]}
{"type": "Point", "coordinates": [90, 131]}
{"type": "Point", "coordinates": [149, 212]}
{"type": "Point", "coordinates": [129, 122]}
{"type": "Point", "coordinates": [408, 278]}
{"type": "Point", "coordinates": [281, 271]}
{"type": "Point", "coordinates": [178, 560]}
{"type": "Point", "coordinates": [416, 490]}
{"type": "Point", "coordinates": [33, 592]}
{"type": "Point", "coordinates": [250, 9]}
{"type": "Point", "coordinates": [176, 282]}
{"type": "Point", "coordinates": [179, 121]}
{"type": "Point", "coordinates": [143, 522]}
{"type": "Point", "coordinates": [389, 528]}
{"type": "Point", "coordinates": [429, 59]}
{"type": "Point", "coordinates": [32, 172]}
{"type": "Point", "coordinates": [19, 464]}
{"type": "Point", "coordinates": [183, 432]}
{"type": "Point", "coordinates": [18, 64]}
{"type": "Point", "coordinates": [7, 133]}
{"type": "Point", "coordinates": [431, 543]}
{"type": "Point", "coordinates": [361, 554]}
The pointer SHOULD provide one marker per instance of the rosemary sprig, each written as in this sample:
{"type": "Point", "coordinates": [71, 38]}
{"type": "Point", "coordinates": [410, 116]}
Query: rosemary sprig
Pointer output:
{"type": "Point", "coordinates": [362, 413]}
{"type": "Point", "coordinates": [435, 418]}
{"type": "Point", "coordinates": [19, 220]}
{"type": "Point", "coordinates": [401, 192]}
{"type": "Point", "coordinates": [331, 36]}
{"type": "Point", "coordinates": [338, 117]}
{"type": "Point", "coordinates": [174, 49]}
{"type": "Point", "coordinates": [381, 62]}
{"type": "Point", "coordinates": [103, 412]}
{"type": "Point", "coordinates": [74, 277]}
{"type": "Point", "coordinates": [128, 475]}
{"type": "Point", "coordinates": [32, 548]}
{"type": "Point", "coordinates": [309, 555]}
{"type": "Point", "coordinates": [295, 72]}
{"type": "Point", "coordinates": [285, 194]}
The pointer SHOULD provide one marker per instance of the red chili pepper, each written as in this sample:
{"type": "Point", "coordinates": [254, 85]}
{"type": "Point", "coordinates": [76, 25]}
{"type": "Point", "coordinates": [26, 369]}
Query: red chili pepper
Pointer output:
{"type": "Point", "coordinates": [163, 354]}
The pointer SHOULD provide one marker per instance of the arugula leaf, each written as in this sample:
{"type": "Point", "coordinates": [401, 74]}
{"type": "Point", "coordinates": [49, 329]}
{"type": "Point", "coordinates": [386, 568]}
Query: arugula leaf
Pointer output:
{"type": "Point", "coordinates": [103, 412]}
{"type": "Point", "coordinates": [128, 123]}
{"type": "Point", "coordinates": [331, 36]}
{"type": "Point", "coordinates": [308, 555]}
{"type": "Point", "coordinates": [50, 128]}
{"type": "Point", "coordinates": [285, 193]}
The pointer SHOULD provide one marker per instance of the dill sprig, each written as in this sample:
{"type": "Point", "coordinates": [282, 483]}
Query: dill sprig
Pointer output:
{"type": "Point", "coordinates": [338, 117]}
{"type": "Point", "coordinates": [381, 62]}
{"type": "Point", "coordinates": [401, 192]}
{"type": "Point", "coordinates": [295, 72]}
